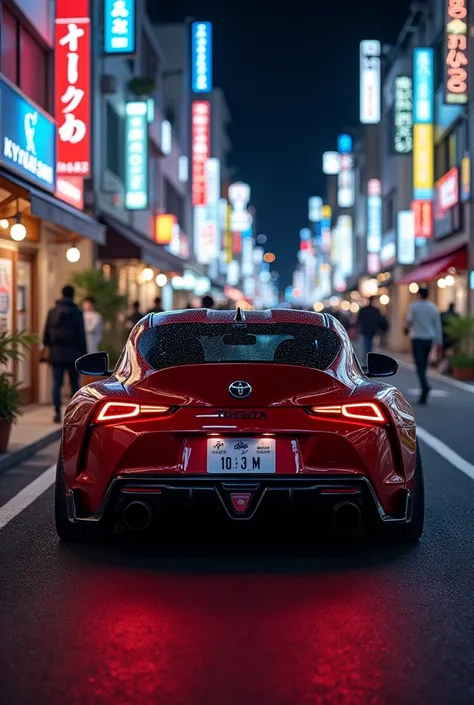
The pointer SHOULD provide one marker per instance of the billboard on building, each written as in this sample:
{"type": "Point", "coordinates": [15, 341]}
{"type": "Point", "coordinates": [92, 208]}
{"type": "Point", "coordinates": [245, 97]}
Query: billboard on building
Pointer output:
{"type": "Point", "coordinates": [374, 216]}
{"type": "Point", "coordinates": [72, 60]}
{"type": "Point", "coordinates": [456, 62]}
{"type": "Point", "coordinates": [370, 82]}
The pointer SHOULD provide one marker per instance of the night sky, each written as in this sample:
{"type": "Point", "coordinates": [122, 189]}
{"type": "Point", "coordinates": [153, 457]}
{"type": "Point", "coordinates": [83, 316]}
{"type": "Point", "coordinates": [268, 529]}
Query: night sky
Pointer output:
{"type": "Point", "coordinates": [291, 79]}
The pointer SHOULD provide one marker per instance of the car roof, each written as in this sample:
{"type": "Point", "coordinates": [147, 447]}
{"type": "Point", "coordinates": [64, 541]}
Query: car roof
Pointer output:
{"type": "Point", "coordinates": [268, 316]}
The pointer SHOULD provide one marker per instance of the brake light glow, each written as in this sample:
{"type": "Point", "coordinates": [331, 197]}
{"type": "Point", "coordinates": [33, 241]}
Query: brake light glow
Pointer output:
{"type": "Point", "coordinates": [119, 411]}
{"type": "Point", "coordinates": [361, 411]}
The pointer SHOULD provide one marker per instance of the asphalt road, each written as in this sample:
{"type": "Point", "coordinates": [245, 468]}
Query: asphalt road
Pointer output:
{"type": "Point", "coordinates": [227, 622]}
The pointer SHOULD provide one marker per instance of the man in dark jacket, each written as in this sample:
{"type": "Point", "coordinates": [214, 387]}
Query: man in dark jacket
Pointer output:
{"type": "Point", "coordinates": [370, 322]}
{"type": "Point", "coordinates": [65, 338]}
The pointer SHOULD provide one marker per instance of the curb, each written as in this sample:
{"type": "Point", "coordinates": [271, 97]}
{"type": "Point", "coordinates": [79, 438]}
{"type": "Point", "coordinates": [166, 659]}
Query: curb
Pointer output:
{"type": "Point", "coordinates": [10, 459]}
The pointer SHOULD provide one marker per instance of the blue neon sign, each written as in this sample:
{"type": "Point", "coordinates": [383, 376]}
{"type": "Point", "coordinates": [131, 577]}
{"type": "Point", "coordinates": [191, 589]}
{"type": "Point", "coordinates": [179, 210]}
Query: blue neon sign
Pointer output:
{"type": "Point", "coordinates": [136, 155]}
{"type": "Point", "coordinates": [120, 26]}
{"type": "Point", "coordinates": [27, 138]}
{"type": "Point", "coordinates": [201, 57]}
{"type": "Point", "coordinates": [344, 144]}
{"type": "Point", "coordinates": [423, 86]}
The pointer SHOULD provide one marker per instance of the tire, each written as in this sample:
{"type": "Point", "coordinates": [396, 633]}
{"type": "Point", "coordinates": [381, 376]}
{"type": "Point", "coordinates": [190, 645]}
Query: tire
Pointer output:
{"type": "Point", "coordinates": [411, 532]}
{"type": "Point", "coordinates": [66, 530]}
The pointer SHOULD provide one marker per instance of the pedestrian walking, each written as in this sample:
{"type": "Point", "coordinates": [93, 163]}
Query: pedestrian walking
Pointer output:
{"type": "Point", "coordinates": [135, 316]}
{"type": "Point", "coordinates": [64, 340]}
{"type": "Point", "coordinates": [423, 324]}
{"type": "Point", "coordinates": [207, 301]}
{"type": "Point", "coordinates": [158, 307]}
{"type": "Point", "coordinates": [370, 322]}
{"type": "Point", "coordinates": [93, 324]}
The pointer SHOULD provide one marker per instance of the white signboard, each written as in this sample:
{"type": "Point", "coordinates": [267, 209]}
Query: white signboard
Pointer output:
{"type": "Point", "coordinates": [370, 87]}
{"type": "Point", "coordinates": [405, 237]}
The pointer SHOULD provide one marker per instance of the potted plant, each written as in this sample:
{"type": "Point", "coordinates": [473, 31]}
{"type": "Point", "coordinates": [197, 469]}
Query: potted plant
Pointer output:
{"type": "Point", "coordinates": [12, 348]}
{"type": "Point", "coordinates": [460, 329]}
{"type": "Point", "coordinates": [142, 86]}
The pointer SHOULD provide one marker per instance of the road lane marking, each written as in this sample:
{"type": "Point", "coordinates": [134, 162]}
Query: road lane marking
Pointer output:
{"type": "Point", "coordinates": [442, 378]}
{"type": "Point", "coordinates": [27, 496]}
{"type": "Point", "coordinates": [433, 393]}
{"type": "Point", "coordinates": [446, 452]}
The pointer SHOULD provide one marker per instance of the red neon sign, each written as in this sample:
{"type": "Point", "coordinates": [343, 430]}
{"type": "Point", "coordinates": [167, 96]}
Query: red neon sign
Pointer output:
{"type": "Point", "coordinates": [447, 191]}
{"type": "Point", "coordinates": [201, 149]}
{"type": "Point", "coordinates": [73, 87]}
{"type": "Point", "coordinates": [423, 217]}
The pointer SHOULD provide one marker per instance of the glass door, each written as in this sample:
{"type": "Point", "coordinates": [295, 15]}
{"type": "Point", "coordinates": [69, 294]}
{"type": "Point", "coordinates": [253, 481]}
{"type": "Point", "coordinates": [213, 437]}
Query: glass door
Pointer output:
{"type": "Point", "coordinates": [26, 374]}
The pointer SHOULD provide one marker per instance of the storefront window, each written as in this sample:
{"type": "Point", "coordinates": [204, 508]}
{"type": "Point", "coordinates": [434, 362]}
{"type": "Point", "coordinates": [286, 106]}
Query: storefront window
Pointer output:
{"type": "Point", "coordinates": [23, 60]}
{"type": "Point", "coordinates": [452, 150]}
{"type": "Point", "coordinates": [33, 69]}
{"type": "Point", "coordinates": [115, 136]}
{"type": "Point", "coordinates": [9, 45]}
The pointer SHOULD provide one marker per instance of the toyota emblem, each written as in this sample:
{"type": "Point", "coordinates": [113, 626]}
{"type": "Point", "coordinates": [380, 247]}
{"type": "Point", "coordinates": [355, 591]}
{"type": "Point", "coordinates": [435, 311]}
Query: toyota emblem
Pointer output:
{"type": "Point", "coordinates": [240, 390]}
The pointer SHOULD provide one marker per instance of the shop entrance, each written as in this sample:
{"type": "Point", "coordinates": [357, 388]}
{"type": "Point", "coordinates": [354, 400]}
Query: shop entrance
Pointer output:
{"type": "Point", "coordinates": [18, 311]}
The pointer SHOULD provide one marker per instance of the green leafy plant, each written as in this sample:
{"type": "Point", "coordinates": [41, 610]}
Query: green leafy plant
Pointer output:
{"type": "Point", "coordinates": [142, 86]}
{"type": "Point", "coordinates": [460, 329]}
{"type": "Point", "coordinates": [110, 304]}
{"type": "Point", "coordinates": [13, 347]}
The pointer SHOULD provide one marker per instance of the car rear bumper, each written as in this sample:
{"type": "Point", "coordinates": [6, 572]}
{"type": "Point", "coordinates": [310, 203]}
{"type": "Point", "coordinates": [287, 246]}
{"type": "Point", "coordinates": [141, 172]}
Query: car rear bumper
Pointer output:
{"type": "Point", "coordinates": [302, 496]}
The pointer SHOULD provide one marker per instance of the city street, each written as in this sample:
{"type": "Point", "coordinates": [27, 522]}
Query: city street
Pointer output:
{"type": "Point", "coordinates": [222, 622]}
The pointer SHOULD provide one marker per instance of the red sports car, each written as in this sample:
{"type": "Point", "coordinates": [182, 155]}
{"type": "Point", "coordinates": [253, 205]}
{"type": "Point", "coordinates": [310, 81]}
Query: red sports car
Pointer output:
{"type": "Point", "coordinates": [241, 416]}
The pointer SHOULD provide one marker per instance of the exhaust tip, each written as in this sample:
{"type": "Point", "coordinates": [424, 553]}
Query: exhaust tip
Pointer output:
{"type": "Point", "coordinates": [347, 515]}
{"type": "Point", "coordinates": [137, 516]}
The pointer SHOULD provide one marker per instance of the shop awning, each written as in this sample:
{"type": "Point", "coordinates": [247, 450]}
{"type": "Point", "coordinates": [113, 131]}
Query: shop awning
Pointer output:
{"type": "Point", "coordinates": [59, 213]}
{"type": "Point", "coordinates": [48, 207]}
{"type": "Point", "coordinates": [434, 268]}
{"type": "Point", "coordinates": [123, 242]}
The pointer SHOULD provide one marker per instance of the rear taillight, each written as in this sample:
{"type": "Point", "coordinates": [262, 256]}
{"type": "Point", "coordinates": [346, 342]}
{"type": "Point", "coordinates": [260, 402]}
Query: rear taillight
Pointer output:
{"type": "Point", "coordinates": [121, 411]}
{"type": "Point", "coordinates": [360, 411]}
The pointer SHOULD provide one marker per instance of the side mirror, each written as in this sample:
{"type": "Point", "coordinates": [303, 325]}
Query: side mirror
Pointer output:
{"type": "Point", "coordinates": [94, 365]}
{"type": "Point", "coordinates": [379, 365]}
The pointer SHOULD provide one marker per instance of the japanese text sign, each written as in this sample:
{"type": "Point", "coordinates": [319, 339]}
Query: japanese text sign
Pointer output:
{"type": "Point", "coordinates": [447, 191]}
{"type": "Point", "coordinates": [136, 155]}
{"type": "Point", "coordinates": [423, 218]}
{"type": "Point", "coordinates": [119, 26]}
{"type": "Point", "coordinates": [201, 50]}
{"type": "Point", "coordinates": [403, 115]}
{"type": "Point", "coordinates": [73, 88]}
{"type": "Point", "coordinates": [423, 85]}
{"type": "Point", "coordinates": [456, 55]}
{"type": "Point", "coordinates": [201, 148]}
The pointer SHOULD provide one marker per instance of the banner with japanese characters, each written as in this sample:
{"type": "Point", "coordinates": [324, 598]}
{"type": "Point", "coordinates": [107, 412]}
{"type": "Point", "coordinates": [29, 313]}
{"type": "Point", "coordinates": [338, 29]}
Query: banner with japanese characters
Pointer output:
{"type": "Point", "coordinates": [120, 27]}
{"type": "Point", "coordinates": [456, 64]}
{"type": "Point", "coordinates": [73, 87]}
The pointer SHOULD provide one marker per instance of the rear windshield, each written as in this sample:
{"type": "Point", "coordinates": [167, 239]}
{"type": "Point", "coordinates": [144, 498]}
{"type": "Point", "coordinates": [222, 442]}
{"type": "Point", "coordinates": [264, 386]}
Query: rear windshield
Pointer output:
{"type": "Point", "coordinates": [172, 344]}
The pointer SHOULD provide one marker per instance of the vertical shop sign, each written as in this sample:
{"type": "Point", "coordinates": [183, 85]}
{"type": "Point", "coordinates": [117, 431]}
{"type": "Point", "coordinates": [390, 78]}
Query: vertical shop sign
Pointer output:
{"type": "Point", "coordinates": [136, 155]}
{"type": "Point", "coordinates": [201, 50]}
{"type": "Point", "coordinates": [120, 27]}
{"type": "Point", "coordinates": [72, 58]}
{"type": "Point", "coordinates": [201, 148]}
{"type": "Point", "coordinates": [403, 115]}
{"type": "Point", "coordinates": [456, 64]}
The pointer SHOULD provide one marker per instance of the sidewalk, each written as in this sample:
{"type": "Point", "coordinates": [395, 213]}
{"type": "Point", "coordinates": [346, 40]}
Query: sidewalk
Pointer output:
{"type": "Point", "coordinates": [33, 431]}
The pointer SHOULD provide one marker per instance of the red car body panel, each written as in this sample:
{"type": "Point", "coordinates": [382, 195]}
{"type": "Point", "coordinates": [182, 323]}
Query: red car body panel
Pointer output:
{"type": "Point", "coordinates": [175, 444]}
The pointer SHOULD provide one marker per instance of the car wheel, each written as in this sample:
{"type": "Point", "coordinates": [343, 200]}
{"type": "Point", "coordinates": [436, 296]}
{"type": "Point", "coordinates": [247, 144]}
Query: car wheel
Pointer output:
{"type": "Point", "coordinates": [65, 529]}
{"type": "Point", "coordinates": [405, 533]}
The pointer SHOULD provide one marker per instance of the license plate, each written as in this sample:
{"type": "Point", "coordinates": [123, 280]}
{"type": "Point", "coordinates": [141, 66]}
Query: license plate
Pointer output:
{"type": "Point", "coordinates": [241, 455]}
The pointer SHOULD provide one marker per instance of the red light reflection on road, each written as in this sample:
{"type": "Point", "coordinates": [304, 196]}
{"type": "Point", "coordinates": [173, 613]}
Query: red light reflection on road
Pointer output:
{"type": "Point", "coordinates": [242, 638]}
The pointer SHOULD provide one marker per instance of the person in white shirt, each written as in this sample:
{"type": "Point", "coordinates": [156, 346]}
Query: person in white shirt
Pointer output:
{"type": "Point", "coordinates": [423, 323]}
{"type": "Point", "coordinates": [93, 324]}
